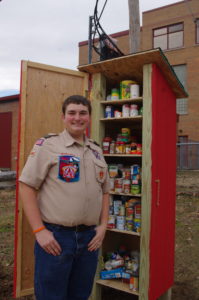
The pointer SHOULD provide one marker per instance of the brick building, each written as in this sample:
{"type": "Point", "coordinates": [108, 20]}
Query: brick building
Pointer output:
{"type": "Point", "coordinates": [9, 109]}
{"type": "Point", "coordinates": [174, 28]}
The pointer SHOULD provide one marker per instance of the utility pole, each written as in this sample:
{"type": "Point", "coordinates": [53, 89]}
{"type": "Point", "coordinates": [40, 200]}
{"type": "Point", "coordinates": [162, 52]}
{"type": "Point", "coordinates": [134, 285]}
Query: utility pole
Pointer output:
{"type": "Point", "coordinates": [134, 26]}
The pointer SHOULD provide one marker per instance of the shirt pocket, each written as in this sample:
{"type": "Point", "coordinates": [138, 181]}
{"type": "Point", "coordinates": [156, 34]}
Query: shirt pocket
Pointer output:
{"type": "Point", "coordinates": [100, 170]}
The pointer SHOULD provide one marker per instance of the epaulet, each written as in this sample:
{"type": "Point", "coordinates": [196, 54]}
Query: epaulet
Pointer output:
{"type": "Point", "coordinates": [50, 135]}
{"type": "Point", "coordinates": [94, 142]}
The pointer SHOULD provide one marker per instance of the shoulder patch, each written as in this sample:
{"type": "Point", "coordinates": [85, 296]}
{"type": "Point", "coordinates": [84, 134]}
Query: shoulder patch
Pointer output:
{"type": "Point", "coordinates": [50, 135]}
{"type": "Point", "coordinates": [94, 142]}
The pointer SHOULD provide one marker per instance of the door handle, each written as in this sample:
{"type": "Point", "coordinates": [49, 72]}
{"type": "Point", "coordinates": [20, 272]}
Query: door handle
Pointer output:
{"type": "Point", "coordinates": [158, 192]}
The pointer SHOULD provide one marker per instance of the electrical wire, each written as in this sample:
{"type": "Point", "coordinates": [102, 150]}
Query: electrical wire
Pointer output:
{"type": "Point", "coordinates": [100, 31]}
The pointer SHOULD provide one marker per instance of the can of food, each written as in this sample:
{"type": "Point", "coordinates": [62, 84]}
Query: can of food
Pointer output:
{"type": "Point", "coordinates": [126, 131]}
{"type": "Point", "coordinates": [122, 210]}
{"type": "Point", "coordinates": [128, 149]}
{"type": "Point", "coordinates": [135, 169]}
{"type": "Point", "coordinates": [118, 185]}
{"type": "Point", "coordinates": [133, 110]}
{"type": "Point", "coordinates": [109, 112]}
{"type": "Point", "coordinates": [114, 94]}
{"type": "Point", "coordinates": [135, 90]}
{"type": "Point", "coordinates": [120, 222]}
{"type": "Point", "coordinates": [126, 174]}
{"type": "Point", "coordinates": [116, 207]}
{"type": "Point", "coordinates": [129, 212]}
{"type": "Point", "coordinates": [135, 189]}
{"type": "Point", "coordinates": [125, 111]}
{"type": "Point", "coordinates": [125, 89]}
{"type": "Point", "coordinates": [112, 184]}
{"type": "Point", "coordinates": [137, 225]}
{"type": "Point", "coordinates": [117, 114]}
{"type": "Point", "coordinates": [137, 209]}
{"type": "Point", "coordinates": [126, 186]}
{"type": "Point", "coordinates": [111, 221]}
{"type": "Point", "coordinates": [112, 147]}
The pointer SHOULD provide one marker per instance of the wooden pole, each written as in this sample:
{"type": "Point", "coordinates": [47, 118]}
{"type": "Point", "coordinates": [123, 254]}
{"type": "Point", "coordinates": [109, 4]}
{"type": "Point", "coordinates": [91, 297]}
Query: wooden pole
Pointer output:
{"type": "Point", "coordinates": [134, 26]}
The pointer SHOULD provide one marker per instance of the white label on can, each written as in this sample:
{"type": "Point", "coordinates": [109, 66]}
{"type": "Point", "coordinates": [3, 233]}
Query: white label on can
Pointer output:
{"type": "Point", "coordinates": [135, 90]}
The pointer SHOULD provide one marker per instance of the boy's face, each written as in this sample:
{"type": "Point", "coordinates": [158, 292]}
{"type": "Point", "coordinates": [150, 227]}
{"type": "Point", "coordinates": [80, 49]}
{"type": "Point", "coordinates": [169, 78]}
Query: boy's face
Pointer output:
{"type": "Point", "coordinates": [76, 119]}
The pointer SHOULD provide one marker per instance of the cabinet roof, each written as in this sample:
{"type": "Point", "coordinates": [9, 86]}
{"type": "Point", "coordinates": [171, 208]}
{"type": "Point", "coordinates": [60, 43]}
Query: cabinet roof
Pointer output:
{"type": "Point", "coordinates": [131, 67]}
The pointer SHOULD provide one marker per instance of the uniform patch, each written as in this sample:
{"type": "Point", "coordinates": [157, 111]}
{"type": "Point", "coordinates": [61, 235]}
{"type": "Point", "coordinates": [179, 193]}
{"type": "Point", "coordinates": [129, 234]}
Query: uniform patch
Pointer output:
{"type": "Point", "coordinates": [96, 153]}
{"type": "Point", "coordinates": [39, 142]}
{"type": "Point", "coordinates": [69, 168]}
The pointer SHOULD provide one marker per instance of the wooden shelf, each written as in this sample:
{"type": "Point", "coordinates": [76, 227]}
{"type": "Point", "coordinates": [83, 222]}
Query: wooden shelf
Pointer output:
{"type": "Point", "coordinates": [124, 231]}
{"type": "Point", "coordinates": [122, 155]}
{"type": "Point", "coordinates": [122, 119]}
{"type": "Point", "coordinates": [123, 194]}
{"type": "Point", "coordinates": [122, 101]}
{"type": "Point", "coordinates": [116, 284]}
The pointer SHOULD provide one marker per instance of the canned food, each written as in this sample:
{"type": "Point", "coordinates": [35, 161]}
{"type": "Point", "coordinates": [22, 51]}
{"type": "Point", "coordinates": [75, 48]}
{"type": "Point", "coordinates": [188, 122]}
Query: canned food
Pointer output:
{"type": "Point", "coordinates": [125, 110]}
{"type": "Point", "coordinates": [120, 222]}
{"type": "Point", "coordinates": [117, 114]}
{"type": "Point", "coordinates": [133, 110]}
{"type": "Point", "coordinates": [118, 185]}
{"type": "Point", "coordinates": [111, 221]}
{"type": "Point", "coordinates": [116, 207]}
{"type": "Point", "coordinates": [112, 184]}
{"type": "Point", "coordinates": [135, 189]}
{"type": "Point", "coordinates": [137, 225]}
{"type": "Point", "coordinates": [109, 112]}
{"type": "Point", "coordinates": [126, 186]}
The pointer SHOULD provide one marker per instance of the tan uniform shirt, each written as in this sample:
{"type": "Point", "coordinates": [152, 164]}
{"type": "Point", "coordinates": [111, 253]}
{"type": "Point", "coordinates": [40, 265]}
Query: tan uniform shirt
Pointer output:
{"type": "Point", "coordinates": [71, 179]}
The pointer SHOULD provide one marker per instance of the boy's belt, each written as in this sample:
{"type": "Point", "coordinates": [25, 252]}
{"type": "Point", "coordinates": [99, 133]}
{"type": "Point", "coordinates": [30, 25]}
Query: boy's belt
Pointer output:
{"type": "Point", "coordinates": [77, 228]}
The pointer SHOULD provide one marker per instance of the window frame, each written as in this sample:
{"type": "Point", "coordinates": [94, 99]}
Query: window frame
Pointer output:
{"type": "Point", "coordinates": [168, 33]}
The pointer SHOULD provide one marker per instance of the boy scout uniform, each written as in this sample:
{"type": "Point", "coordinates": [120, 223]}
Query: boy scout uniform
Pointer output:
{"type": "Point", "coordinates": [70, 179]}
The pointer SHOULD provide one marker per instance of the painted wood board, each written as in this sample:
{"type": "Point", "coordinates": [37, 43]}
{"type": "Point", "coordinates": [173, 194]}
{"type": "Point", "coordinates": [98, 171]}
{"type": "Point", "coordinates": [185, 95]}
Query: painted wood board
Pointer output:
{"type": "Point", "coordinates": [43, 89]}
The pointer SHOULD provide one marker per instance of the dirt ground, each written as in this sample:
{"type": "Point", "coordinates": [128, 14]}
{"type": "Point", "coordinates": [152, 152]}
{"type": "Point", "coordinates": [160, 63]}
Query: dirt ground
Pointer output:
{"type": "Point", "coordinates": [186, 285]}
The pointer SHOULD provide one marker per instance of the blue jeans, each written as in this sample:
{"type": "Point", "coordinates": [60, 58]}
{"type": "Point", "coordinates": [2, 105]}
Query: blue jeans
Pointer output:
{"type": "Point", "coordinates": [70, 275]}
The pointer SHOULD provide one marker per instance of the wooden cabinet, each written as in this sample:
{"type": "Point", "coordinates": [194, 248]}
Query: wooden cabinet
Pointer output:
{"type": "Point", "coordinates": [156, 129]}
{"type": "Point", "coordinates": [43, 90]}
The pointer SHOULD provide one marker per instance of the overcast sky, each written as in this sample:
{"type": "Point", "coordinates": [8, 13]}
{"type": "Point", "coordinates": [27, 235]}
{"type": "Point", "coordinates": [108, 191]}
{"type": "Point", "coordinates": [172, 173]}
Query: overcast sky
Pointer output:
{"type": "Point", "coordinates": [48, 31]}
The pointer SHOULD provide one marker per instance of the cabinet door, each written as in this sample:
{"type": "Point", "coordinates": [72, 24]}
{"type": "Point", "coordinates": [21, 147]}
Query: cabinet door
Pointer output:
{"type": "Point", "coordinates": [43, 89]}
{"type": "Point", "coordinates": [163, 149]}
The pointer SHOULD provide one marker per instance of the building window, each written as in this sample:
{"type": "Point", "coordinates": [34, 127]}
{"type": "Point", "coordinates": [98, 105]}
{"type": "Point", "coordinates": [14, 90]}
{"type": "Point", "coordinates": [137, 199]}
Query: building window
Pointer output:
{"type": "Point", "coordinates": [168, 37]}
{"type": "Point", "coordinates": [197, 31]}
{"type": "Point", "coordinates": [182, 104]}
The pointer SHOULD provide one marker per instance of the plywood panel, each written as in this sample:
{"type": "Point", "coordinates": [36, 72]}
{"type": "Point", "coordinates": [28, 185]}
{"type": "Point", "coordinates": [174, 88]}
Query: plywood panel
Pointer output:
{"type": "Point", "coordinates": [146, 183]}
{"type": "Point", "coordinates": [43, 90]}
{"type": "Point", "coordinates": [131, 67]}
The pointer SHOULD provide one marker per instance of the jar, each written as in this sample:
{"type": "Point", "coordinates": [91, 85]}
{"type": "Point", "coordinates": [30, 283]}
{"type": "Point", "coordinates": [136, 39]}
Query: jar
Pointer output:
{"type": "Point", "coordinates": [120, 147]}
{"type": "Point", "coordinates": [133, 148]}
{"type": "Point", "coordinates": [139, 148]}
{"type": "Point", "coordinates": [112, 147]}
{"type": "Point", "coordinates": [125, 111]}
{"type": "Point", "coordinates": [133, 110]}
{"type": "Point", "coordinates": [106, 145]}
{"type": "Point", "coordinates": [127, 148]}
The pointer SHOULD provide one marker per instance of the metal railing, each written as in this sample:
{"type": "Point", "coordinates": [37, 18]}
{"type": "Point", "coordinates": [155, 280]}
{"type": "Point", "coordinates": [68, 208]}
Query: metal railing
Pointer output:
{"type": "Point", "coordinates": [188, 156]}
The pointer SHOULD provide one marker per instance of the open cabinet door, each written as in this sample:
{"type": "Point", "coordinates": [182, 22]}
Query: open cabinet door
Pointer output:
{"type": "Point", "coordinates": [43, 89]}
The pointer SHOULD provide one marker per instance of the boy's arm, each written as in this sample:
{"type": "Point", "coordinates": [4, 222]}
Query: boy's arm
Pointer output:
{"type": "Point", "coordinates": [44, 237]}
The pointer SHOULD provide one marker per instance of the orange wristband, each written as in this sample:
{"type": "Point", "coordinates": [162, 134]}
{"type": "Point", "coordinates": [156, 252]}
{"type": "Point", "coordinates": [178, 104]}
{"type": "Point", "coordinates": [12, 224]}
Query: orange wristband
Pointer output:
{"type": "Point", "coordinates": [39, 229]}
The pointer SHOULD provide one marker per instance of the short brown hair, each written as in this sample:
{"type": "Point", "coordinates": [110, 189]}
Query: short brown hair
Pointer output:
{"type": "Point", "coordinates": [76, 99]}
